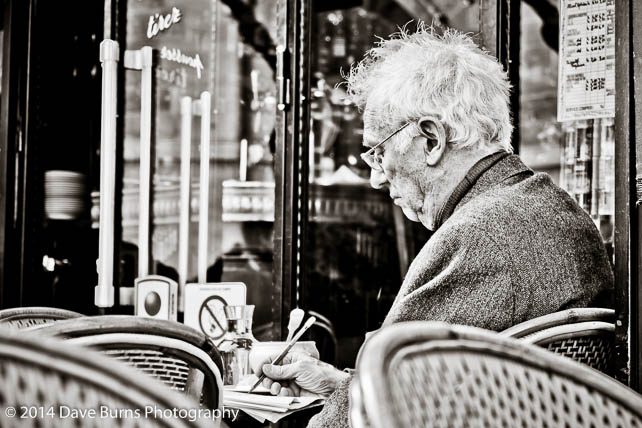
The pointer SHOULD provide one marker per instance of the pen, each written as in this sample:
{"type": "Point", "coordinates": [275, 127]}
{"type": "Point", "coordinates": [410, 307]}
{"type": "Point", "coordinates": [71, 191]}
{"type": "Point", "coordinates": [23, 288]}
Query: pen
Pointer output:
{"type": "Point", "coordinates": [289, 346]}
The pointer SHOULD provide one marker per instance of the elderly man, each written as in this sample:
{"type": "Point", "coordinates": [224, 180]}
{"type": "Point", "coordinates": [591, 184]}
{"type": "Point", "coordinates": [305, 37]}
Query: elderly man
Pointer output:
{"type": "Point", "coordinates": [508, 244]}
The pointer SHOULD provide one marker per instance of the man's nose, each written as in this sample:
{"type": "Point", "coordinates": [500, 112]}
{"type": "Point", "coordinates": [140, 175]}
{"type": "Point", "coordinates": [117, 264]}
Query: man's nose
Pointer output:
{"type": "Point", "coordinates": [378, 179]}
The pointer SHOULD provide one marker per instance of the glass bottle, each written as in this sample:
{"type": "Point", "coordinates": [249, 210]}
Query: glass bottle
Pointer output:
{"type": "Point", "coordinates": [237, 343]}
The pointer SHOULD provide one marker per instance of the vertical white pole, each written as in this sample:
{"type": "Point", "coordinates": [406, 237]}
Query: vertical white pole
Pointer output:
{"type": "Point", "coordinates": [185, 186]}
{"type": "Point", "coordinates": [104, 291]}
{"type": "Point", "coordinates": [145, 168]}
{"type": "Point", "coordinates": [243, 161]}
{"type": "Point", "coordinates": [203, 221]}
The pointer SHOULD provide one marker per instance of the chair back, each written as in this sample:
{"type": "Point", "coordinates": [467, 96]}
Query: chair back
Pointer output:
{"type": "Point", "coordinates": [586, 335]}
{"type": "Point", "coordinates": [181, 357]}
{"type": "Point", "coordinates": [431, 374]}
{"type": "Point", "coordinates": [35, 315]}
{"type": "Point", "coordinates": [45, 380]}
{"type": "Point", "coordinates": [323, 334]}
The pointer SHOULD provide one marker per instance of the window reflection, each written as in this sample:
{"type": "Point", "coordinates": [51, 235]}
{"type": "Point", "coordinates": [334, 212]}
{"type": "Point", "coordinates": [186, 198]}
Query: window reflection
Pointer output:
{"type": "Point", "coordinates": [203, 45]}
{"type": "Point", "coordinates": [357, 246]}
{"type": "Point", "coordinates": [578, 155]}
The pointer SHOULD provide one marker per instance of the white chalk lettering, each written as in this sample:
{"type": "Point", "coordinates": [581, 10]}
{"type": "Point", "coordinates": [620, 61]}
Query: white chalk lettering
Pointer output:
{"type": "Point", "coordinates": [158, 22]}
{"type": "Point", "coordinates": [175, 55]}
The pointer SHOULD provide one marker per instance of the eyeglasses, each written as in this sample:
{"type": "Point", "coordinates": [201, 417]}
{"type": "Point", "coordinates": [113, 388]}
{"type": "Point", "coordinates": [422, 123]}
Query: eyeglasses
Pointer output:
{"type": "Point", "coordinates": [372, 159]}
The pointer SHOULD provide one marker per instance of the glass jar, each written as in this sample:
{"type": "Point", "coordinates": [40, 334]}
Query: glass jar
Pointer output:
{"type": "Point", "coordinates": [237, 343]}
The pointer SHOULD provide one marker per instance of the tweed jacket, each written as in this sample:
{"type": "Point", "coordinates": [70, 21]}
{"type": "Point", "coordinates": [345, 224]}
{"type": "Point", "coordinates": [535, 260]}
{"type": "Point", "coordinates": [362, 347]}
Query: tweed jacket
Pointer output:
{"type": "Point", "coordinates": [515, 247]}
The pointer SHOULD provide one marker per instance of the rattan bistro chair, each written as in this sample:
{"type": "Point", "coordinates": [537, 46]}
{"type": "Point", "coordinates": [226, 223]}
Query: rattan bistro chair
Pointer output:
{"type": "Point", "coordinates": [43, 373]}
{"type": "Point", "coordinates": [586, 335]}
{"type": "Point", "coordinates": [431, 374]}
{"type": "Point", "coordinates": [179, 356]}
{"type": "Point", "coordinates": [35, 315]}
{"type": "Point", "coordinates": [323, 334]}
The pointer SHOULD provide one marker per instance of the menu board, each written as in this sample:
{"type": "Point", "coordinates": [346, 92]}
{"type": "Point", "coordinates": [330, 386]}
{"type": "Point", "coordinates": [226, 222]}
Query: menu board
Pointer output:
{"type": "Point", "coordinates": [586, 87]}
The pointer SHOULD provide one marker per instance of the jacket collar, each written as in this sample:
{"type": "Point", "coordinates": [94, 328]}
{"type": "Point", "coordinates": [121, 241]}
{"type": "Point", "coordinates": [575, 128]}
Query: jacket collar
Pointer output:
{"type": "Point", "coordinates": [487, 172]}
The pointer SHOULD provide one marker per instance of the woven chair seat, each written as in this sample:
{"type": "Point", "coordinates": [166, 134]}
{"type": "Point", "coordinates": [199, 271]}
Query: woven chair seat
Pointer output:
{"type": "Point", "coordinates": [173, 372]}
{"type": "Point", "coordinates": [179, 356]}
{"type": "Point", "coordinates": [428, 374]}
{"type": "Point", "coordinates": [595, 352]}
{"type": "Point", "coordinates": [27, 317]}
{"type": "Point", "coordinates": [586, 335]}
{"type": "Point", "coordinates": [52, 379]}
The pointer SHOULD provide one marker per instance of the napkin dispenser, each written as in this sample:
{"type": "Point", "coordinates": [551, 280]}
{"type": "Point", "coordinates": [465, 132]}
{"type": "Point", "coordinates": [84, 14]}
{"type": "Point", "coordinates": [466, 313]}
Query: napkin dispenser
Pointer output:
{"type": "Point", "coordinates": [156, 297]}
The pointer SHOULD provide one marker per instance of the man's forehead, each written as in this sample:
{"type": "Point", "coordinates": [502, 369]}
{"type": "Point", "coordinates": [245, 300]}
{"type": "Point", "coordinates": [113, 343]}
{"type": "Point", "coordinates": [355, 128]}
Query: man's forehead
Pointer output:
{"type": "Point", "coordinates": [372, 135]}
{"type": "Point", "coordinates": [369, 139]}
{"type": "Point", "coordinates": [371, 130]}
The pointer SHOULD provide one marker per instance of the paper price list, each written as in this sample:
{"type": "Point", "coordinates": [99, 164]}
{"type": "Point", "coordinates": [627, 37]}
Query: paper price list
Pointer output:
{"type": "Point", "coordinates": [586, 88]}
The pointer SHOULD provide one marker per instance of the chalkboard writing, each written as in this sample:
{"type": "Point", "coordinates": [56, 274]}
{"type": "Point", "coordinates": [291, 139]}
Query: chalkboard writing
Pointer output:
{"type": "Point", "coordinates": [158, 22]}
{"type": "Point", "coordinates": [586, 86]}
{"type": "Point", "coordinates": [175, 55]}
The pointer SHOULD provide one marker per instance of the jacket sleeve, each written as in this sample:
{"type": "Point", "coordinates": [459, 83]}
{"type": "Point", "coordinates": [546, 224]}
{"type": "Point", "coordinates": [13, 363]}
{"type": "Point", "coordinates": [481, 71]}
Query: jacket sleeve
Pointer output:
{"type": "Point", "coordinates": [460, 278]}
{"type": "Point", "coordinates": [336, 411]}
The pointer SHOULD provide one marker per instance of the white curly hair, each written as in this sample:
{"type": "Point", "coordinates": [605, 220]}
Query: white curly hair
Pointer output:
{"type": "Point", "coordinates": [412, 75]}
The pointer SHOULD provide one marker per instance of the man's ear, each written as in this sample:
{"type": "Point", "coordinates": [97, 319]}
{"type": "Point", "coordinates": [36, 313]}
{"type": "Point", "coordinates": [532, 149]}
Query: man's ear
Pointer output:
{"type": "Point", "coordinates": [435, 138]}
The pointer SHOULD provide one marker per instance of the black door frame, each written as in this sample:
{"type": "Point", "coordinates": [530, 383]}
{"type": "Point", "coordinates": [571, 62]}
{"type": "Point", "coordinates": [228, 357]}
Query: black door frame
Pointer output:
{"type": "Point", "coordinates": [628, 222]}
{"type": "Point", "coordinates": [13, 118]}
{"type": "Point", "coordinates": [291, 167]}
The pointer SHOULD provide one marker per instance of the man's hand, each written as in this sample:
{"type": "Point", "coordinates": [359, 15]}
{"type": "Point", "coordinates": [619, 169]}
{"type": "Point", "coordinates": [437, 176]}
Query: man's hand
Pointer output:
{"type": "Point", "coordinates": [299, 375]}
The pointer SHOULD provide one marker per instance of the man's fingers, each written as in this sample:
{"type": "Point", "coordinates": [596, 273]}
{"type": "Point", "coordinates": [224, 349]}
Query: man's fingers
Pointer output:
{"type": "Point", "coordinates": [288, 371]}
{"type": "Point", "coordinates": [275, 389]}
{"type": "Point", "coordinates": [257, 366]}
{"type": "Point", "coordinates": [295, 389]}
{"type": "Point", "coordinates": [286, 392]}
{"type": "Point", "coordinates": [267, 383]}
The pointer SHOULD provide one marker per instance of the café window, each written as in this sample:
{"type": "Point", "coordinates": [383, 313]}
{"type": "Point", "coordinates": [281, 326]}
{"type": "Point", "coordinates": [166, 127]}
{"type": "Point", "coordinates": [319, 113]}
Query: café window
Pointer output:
{"type": "Point", "coordinates": [566, 122]}
{"type": "Point", "coordinates": [358, 245]}
{"type": "Point", "coordinates": [212, 64]}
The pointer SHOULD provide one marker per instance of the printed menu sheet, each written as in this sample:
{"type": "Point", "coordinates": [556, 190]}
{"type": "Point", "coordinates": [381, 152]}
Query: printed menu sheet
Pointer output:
{"type": "Point", "coordinates": [586, 87]}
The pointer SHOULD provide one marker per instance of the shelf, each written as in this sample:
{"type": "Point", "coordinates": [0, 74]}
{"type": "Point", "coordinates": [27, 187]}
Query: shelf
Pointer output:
{"type": "Point", "coordinates": [253, 201]}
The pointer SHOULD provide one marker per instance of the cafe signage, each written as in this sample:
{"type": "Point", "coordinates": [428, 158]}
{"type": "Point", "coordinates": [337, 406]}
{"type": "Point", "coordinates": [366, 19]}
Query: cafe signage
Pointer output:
{"type": "Point", "coordinates": [175, 55]}
{"type": "Point", "coordinates": [587, 60]}
{"type": "Point", "coordinates": [158, 22]}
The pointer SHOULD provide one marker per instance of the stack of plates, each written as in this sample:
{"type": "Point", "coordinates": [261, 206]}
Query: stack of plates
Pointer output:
{"type": "Point", "coordinates": [64, 194]}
